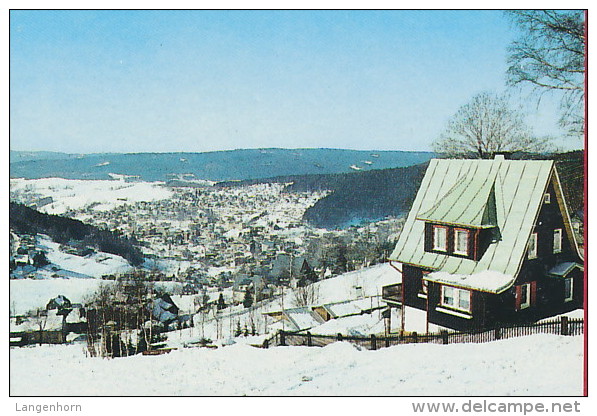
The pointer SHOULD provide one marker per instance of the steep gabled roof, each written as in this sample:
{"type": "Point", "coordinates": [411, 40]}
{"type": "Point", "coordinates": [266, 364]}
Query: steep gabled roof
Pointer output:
{"type": "Point", "coordinates": [470, 202]}
{"type": "Point", "coordinates": [479, 193]}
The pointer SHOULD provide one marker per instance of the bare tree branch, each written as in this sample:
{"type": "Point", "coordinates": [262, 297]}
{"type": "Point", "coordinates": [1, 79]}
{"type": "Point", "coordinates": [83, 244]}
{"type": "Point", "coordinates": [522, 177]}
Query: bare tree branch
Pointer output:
{"type": "Point", "coordinates": [550, 55]}
{"type": "Point", "coordinates": [485, 126]}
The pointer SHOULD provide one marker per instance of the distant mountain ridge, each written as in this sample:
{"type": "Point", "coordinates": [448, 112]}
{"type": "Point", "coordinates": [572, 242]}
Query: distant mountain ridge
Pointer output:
{"type": "Point", "coordinates": [215, 166]}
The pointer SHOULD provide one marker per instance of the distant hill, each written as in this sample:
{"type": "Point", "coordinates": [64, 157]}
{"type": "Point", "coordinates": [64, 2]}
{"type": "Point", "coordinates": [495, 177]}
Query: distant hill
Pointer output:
{"type": "Point", "coordinates": [64, 230]}
{"type": "Point", "coordinates": [21, 156]}
{"type": "Point", "coordinates": [214, 166]}
{"type": "Point", "coordinates": [376, 194]}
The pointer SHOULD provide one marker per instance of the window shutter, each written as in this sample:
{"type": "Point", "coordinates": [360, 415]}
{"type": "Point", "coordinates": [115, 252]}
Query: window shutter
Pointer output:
{"type": "Point", "coordinates": [533, 293]}
{"type": "Point", "coordinates": [517, 297]}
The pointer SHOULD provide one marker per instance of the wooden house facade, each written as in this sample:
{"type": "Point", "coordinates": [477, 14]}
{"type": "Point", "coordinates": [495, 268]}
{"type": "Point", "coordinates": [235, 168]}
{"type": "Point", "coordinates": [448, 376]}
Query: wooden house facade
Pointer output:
{"type": "Point", "coordinates": [487, 243]}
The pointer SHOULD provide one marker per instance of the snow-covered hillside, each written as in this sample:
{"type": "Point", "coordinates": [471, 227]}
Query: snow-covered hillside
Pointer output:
{"type": "Point", "coordinates": [519, 366]}
{"type": "Point", "coordinates": [76, 194]}
{"type": "Point", "coordinates": [93, 265]}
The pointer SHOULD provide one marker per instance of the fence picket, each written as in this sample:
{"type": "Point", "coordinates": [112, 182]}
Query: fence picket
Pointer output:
{"type": "Point", "coordinates": [563, 326]}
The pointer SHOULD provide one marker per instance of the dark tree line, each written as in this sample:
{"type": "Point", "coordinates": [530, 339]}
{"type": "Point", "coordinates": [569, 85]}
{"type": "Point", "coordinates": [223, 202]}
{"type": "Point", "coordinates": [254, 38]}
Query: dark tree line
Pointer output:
{"type": "Point", "coordinates": [64, 230]}
{"type": "Point", "coordinates": [354, 197]}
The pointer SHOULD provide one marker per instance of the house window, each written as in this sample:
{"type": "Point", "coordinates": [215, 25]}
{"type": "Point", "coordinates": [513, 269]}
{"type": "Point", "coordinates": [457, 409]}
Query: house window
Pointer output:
{"type": "Point", "coordinates": [525, 295]}
{"type": "Point", "coordinates": [547, 198]}
{"type": "Point", "coordinates": [557, 240]}
{"type": "Point", "coordinates": [440, 238]}
{"type": "Point", "coordinates": [456, 298]}
{"type": "Point", "coordinates": [461, 241]}
{"type": "Point", "coordinates": [568, 287]}
{"type": "Point", "coordinates": [533, 246]}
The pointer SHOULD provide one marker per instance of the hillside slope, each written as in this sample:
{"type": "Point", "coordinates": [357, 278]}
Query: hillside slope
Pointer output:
{"type": "Point", "coordinates": [355, 197]}
{"type": "Point", "coordinates": [63, 230]}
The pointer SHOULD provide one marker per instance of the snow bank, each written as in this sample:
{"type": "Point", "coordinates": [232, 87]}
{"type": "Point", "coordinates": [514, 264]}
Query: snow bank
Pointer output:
{"type": "Point", "coordinates": [503, 368]}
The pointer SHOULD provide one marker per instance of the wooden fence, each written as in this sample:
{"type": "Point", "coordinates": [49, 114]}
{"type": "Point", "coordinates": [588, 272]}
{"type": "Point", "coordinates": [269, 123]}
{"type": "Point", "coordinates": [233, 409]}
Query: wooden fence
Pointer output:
{"type": "Point", "coordinates": [563, 326]}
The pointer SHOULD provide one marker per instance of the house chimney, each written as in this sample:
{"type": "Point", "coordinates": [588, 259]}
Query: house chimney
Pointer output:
{"type": "Point", "coordinates": [501, 155]}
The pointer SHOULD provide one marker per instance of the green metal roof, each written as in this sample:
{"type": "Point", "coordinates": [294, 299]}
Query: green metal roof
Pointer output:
{"type": "Point", "coordinates": [471, 201]}
{"type": "Point", "coordinates": [478, 193]}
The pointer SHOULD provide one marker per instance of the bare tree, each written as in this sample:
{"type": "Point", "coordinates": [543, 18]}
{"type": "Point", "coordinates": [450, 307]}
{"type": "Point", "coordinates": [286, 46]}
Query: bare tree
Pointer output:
{"type": "Point", "coordinates": [485, 126]}
{"type": "Point", "coordinates": [306, 295]}
{"type": "Point", "coordinates": [40, 317]}
{"type": "Point", "coordinates": [549, 55]}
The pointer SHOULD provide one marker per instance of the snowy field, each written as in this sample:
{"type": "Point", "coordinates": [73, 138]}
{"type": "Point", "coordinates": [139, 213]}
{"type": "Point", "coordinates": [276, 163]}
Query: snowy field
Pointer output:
{"type": "Point", "coordinates": [521, 367]}
{"type": "Point", "coordinates": [76, 194]}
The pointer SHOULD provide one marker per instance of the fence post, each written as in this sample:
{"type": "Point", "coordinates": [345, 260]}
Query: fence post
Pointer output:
{"type": "Point", "coordinates": [444, 334]}
{"type": "Point", "coordinates": [282, 338]}
{"type": "Point", "coordinates": [266, 343]}
{"type": "Point", "coordinates": [564, 326]}
{"type": "Point", "coordinates": [497, 333]}
{"type": "Point", "coordinates": [387, 338]}
{"type": "Point", "coordinates": [339, 336]}
{"type": "Point", "coordinates": [309, 344]}
{"type": "Point", "coordinates": [415, 337]}
{"type": "Point", "coordinates": [373, 342]}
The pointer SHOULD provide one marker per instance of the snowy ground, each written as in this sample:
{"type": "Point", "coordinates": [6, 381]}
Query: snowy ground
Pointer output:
{"type": "Point", "coordinates": [29, 294]}
{"type": "Point", "coordinates": [521, 366]}
{"type": "Point", "coordinates": [76, 194]}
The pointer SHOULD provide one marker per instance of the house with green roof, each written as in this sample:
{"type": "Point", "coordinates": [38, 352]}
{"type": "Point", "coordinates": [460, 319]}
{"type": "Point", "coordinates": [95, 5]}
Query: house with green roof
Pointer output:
{"type": "Point", "coordinates": [487, 243]}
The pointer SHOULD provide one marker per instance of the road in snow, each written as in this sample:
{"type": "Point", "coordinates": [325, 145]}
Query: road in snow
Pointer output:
{"type": "Point", "coordinates": [519, 366]}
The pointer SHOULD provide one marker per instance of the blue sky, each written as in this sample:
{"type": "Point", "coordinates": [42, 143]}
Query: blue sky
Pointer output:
{"type": "Point", "coordinates": [161, 81]}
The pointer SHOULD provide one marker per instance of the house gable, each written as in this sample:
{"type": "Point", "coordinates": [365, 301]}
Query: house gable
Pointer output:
{"type": "Point", "coordinates": [511, 194]}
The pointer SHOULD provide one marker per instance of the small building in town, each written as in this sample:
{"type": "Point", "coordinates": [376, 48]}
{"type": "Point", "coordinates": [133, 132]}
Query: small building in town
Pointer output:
{"type": "Point", "coordinates": [487, 243]}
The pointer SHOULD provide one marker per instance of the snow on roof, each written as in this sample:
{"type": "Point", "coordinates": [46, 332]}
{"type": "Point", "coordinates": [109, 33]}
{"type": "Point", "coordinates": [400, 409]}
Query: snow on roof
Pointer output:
{"type": "Point", "coordinates": [303, 318]}
{"type": "Point", "coordinates": [349, 307]}
{"type": "Point", "coordinates": [74, 316]}
{"type": "Point", "coordinates": [359, 325]}
{"type": "Point", "coordinates": [345, 286]}
{"type": "Point", "coordinates": [486, 280]}
{"type": "Point", "coordinates": [515, 187]}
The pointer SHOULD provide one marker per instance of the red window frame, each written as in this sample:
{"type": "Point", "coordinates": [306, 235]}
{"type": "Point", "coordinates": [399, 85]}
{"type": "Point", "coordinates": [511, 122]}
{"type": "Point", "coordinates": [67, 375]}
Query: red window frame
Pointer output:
{"type": "Point", "coordinates": [518, 305]}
